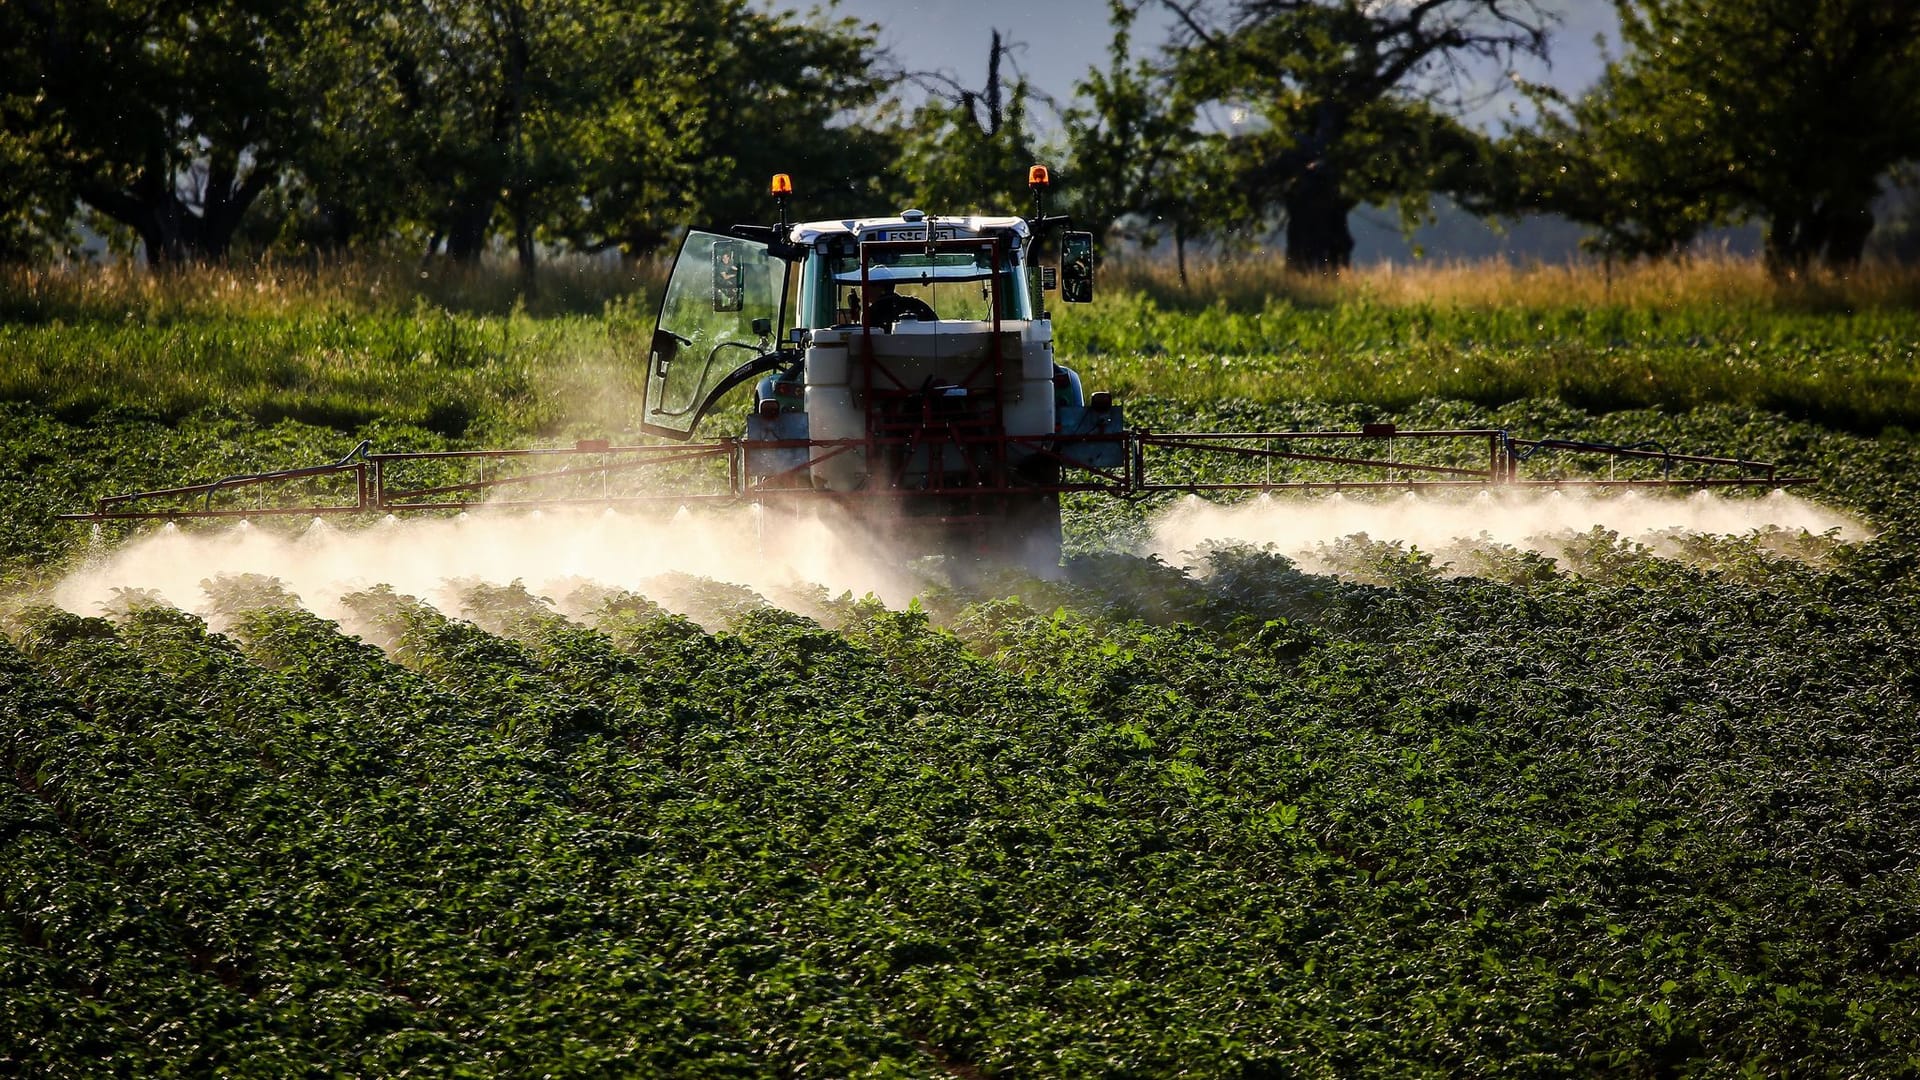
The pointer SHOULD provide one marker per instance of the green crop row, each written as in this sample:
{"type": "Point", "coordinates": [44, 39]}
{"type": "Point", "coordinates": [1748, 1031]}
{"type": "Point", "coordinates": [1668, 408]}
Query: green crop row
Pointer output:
{"type": "Point", "coordinates": [1260, 822]}
{"type": "Point", "coordinates": [513, 377]}
{"type": "Point", "coordinates": [1601, 813]}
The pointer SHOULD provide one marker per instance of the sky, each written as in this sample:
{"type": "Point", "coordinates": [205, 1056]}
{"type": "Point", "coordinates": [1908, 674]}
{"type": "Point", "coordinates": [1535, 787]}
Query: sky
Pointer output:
{"type": "Point", "coordinates": [1057, 41]}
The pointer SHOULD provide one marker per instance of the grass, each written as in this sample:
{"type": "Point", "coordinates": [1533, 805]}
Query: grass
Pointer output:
{"type": "Point", "coordinates": [1858, 373]}
{"type": "Point", "coordinates": [455, 374]}
{"type": "Point", "coordinates": [468, 354]}
{"type": "Point", "coordinates": [357, 286]}
{"type": "Point", "coordinates": [1623, 816]}
{"type": "Point", "coordinates": [1842, 352]}
{"type": "Point", "coordinates": [462, 351]}
{"type": "Point", "coordinates": [1703, 282]}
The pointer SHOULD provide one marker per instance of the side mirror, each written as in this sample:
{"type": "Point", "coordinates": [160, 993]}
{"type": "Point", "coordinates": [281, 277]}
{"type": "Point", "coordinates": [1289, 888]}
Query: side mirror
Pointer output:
{"type": "Point", "coordinates": [762, 327]}
{"type": "Point", "coordinates": [728, 291]}
{"type": "Point", "coordinates": [666, 345]}
{"type": "Point", "coordinates": [1076, 267]}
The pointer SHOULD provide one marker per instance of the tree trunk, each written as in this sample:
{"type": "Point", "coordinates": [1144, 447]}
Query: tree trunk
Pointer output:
{"type": "Point", "coordinates": [523, 238]}
{"type": "Point", "coordinates": [339, 227]}
{"type": "Point", "coordinates": [169, 231]}
{"type": "Point", "coordinates": [1180, 250]}
{"type": "Point", "coordinates": [1318, 240]}
{"type": "Point", "coordinates": [1835, 233]}
{"type": "Point", "coordinates": [1795, 235]}
{"type": "Point", "coordinates": [466, 229]}
{"type": "Point", "coordinates": [1849, 226]}
{"type": "Point", "coordinates": [520, 194]}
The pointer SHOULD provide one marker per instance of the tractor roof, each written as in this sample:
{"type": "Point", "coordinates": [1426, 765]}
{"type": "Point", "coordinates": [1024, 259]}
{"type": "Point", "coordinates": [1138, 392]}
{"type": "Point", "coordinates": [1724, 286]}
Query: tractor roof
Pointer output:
{"type": "Point", "coordinates": [811, 232]}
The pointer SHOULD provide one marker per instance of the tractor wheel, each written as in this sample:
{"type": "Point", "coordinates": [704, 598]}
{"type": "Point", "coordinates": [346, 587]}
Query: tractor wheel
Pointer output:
{"type": "Point", "coordinates": [1030, 538]}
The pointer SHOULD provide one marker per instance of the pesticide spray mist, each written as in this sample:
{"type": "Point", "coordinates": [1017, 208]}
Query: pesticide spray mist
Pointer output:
{"type": "Point", "coordinates": [551, 552]}
{"type": "Point", "coordinates": [555, 552]}
{"type": "Point", "coordinates": [1525, 519]}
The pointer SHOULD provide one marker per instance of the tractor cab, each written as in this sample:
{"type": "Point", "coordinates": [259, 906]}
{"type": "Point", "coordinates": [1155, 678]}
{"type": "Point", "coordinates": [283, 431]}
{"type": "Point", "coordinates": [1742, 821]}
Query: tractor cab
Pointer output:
{"type": "Point", "coordinates": [913, 370]}
{"type": "Point", "coordinates": [943, 281]}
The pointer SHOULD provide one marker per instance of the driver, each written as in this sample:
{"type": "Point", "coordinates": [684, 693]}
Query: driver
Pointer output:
{"type": "Point", "coordinates": [890, 305]}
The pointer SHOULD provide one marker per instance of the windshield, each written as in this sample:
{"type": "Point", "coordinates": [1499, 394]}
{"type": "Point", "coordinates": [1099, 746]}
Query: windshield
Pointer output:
{"type": "Point", "coordinates": [950, 284]}
{"type": "Point", "coordinates": [717, 315]}
{"type": "Point", "coordinates": [916, 266]}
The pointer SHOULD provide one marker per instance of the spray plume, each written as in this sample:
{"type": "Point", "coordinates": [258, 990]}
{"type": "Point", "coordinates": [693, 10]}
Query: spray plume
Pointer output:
{"type": "Point", "coordinates": [1532, 520]}
{"type": "Point", "coordinates": [552, 553]}
{"type": "Point", "coordinates": [555, 553]}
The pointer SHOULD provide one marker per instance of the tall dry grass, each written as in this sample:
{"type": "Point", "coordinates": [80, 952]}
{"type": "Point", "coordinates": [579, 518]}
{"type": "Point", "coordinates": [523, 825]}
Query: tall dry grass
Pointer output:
{"type": "Point", "coordinates": [361, 285]}
{"type": "Point", "coordinates": [455, 349]}
{"type": "Point", "coordinates": [1705, 281]}
{"type": "Point", "coordinates": [582, 286]}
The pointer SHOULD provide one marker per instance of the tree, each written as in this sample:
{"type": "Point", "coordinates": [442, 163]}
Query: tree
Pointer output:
{"type": "Point", "coordinates": [781, 94]}
{"type": "Point", "coordinates": [601, 124]}
{"type": "Point", "coordinates": [1347, 101]}
{"type": "Point", "coordinates": [968, 151]}
{"type": "Point", "coordinates": [1602, 162]}
{"type": "Point", "coordinates": [168, 120]}
{"type": "Point", "coordinates": [464, 117]}
{"type": "Point", "coordinates": [35, 200]}
{"type": "Point", "coordinates": [1790, 111]}
{"type": "Point", "coordinates": [1805, 102]}
{"type": "Point", "coordinates": [1130, 149]}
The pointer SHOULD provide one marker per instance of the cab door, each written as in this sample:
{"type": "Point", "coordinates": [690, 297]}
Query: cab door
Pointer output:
{"type": "Point", "coordinates": [715, 328]}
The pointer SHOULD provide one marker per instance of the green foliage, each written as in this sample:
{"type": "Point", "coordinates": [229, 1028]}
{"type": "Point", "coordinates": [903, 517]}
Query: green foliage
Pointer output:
{"type": "Point", "coordinates": [32, 192]}
{"type": "Point", "coordinates": [170, 122]}
{"type": "Point", "coordinates": [1859, 373]}
{"type": "Point", "coordinates": [584, 123]}
{"type": "Point", "coordinates": [807, 98]}
{"type": "Point", "coordinates": [969, 153]}
{"type": "Point", "coordinates": [1333, 110]}
{"type": "Point", "coordinates": [509, 374]}
{"type": "Point", "coordinates": [1562, 826]}
{"type": "Point", "coordinates": [1464, 812]}
{"type": "Point", "coordinates": [580, 122]}
{"type": "Point", "coordinates": [1629, 175]}
{"type": "Point", "coordinates": [456, 119]}
{"type": "Point", "coordinates": [1134, 154]}
{"type": "Point", "coordinates": [1790, 112]}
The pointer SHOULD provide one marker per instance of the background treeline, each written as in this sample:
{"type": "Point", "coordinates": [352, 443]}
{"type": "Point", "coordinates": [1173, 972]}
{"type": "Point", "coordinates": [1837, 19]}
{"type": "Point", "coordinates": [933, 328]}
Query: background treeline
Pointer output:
{"type": "Point", "coordinates": [323, 127]}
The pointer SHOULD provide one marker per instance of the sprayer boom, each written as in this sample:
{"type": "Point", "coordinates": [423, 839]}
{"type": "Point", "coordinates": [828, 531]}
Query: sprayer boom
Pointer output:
{"type": "Point", "coordinates": [1125, 464]}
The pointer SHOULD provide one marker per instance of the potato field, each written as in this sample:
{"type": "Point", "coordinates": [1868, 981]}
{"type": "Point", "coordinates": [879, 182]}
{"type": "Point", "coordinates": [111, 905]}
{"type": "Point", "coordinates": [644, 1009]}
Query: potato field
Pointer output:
{"type": "Point", "coordinates": [1625, 809]}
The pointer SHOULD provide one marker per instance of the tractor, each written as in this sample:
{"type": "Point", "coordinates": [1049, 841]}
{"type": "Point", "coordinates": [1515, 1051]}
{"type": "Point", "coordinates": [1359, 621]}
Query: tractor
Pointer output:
{"type": "Point", "coordinates": [914, 380]}
{"type": "Point", "coordinates": [903, 370]}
